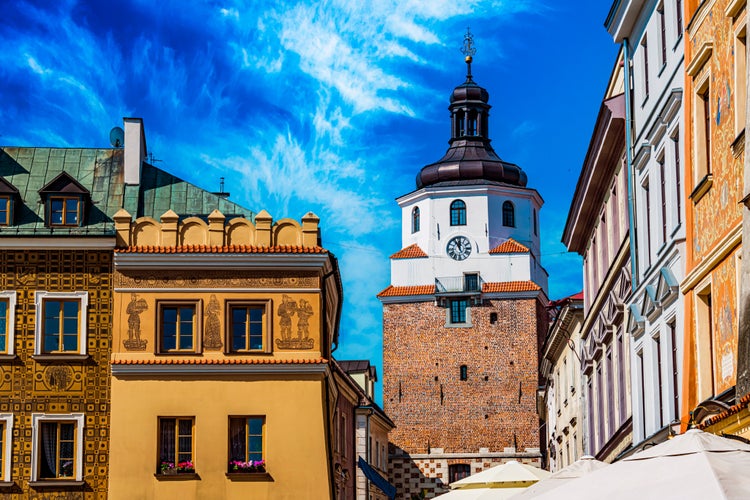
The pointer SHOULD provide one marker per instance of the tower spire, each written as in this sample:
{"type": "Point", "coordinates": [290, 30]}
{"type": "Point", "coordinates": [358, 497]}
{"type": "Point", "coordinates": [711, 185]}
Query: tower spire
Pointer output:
{"type": "Point", "coordinates": [468, 49]}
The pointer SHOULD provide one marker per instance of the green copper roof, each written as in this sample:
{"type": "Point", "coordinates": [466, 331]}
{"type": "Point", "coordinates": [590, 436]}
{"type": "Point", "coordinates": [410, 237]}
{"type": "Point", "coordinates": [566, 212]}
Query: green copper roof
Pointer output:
{"type": "Point", "coordinates": [100, 171]}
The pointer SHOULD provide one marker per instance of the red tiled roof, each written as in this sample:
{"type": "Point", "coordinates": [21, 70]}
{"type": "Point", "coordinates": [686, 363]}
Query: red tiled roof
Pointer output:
{"type": "Point", "coordinates": [401, 291]}
{"type": "Point", "coordinates": [744, 402]}
{"type": "Point", "coordinates": [577, 296]}
{"type": "Point", "coordinates": [221, 249]}
{"type": "Point", "coordinates": [510, 286]}
{"type": "Point", "coordinates": [509, 246]}
{"type": "Point", "coordinates": [218, 361]}
{"type": "Point", "coordinates": [410, 252]}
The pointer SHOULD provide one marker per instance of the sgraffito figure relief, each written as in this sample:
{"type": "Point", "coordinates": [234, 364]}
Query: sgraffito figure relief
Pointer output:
{"type": "Point", "coordinates": [304, 311]}
{"type": "Point", "coordinates": [212, 340]}
{"type": "Point", "coordinates": [134, 310]}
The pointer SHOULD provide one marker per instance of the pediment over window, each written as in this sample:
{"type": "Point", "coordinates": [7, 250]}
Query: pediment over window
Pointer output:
{"type": "Point", "coordinates": [65, 201]}
{"type": "Point", "coordinates": [63, 183]}
{"type": "Point", "coordinates": [636, 322]}
{"type": "Point", "coordinates": [666, 287]}
{"type": "Point", "coordinates": [648, 303]}
{"type": "Point", "coordinates": [613, 309]}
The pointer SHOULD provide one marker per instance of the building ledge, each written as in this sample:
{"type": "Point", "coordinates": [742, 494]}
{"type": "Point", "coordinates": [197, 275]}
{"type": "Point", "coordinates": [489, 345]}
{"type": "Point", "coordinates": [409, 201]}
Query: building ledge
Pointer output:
{"type": "Point", "coordinates": [60, 483]}
{"type": "Point", "coordinates": [6, 485]}
{"type": "Point", "coordinates": [249, 476]}
{"type": "Point", "coordinates": [7, 357]}
{"type": "Point", "coordinates": [60, 357]}
{"type": "Point", "coordinates": [181, 476]}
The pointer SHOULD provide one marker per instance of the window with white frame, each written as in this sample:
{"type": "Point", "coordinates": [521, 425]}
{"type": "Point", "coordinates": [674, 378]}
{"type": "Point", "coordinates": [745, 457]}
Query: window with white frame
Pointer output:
{"type": "Point", "coordinates": [6, 447]}
{"type": "Point", "coordinates": [7, 323]}
{"type": "Point", "coordinates": [57, 447]}
{"type": "Point", "coordinates": [60, 326]}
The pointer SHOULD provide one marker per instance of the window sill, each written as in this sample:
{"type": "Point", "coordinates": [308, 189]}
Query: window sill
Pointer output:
{"type": "Point", "coordinates": [7, 357]}
{"type": "Point", "coordinates": [677, 43]}
{"type": "Point", "coordinates": [60, 357]}
{"type": "Point", "coordinates": [249, 476]}
{"type": "Point", "coordinates": [6, 485]}
{"type": "Point", "coordinates": [663, 67]}
{"type": "Point", "coordinates": [56, 483]}
{"type": "Point", "coordinates": [702, 188]}
{"type": "Point", "coordinates": [180, 476]}
{"type": "Point", "coordinates": [643, 104]}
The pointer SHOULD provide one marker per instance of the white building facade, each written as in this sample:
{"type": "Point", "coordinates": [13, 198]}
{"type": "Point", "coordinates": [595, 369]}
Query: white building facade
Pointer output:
{"type": "Point", "coordinates": [651, 33]}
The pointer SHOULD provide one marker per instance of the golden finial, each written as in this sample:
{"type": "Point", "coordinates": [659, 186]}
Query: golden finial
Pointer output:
{"type": "Point", "coordinates": [468, 49]}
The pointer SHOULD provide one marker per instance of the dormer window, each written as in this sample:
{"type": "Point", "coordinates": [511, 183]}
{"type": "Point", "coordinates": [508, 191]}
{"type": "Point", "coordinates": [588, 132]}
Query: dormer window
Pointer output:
{"type": "Point", "coordinates": [65, 201]}
{"type": "Point", "coordinates": [6, 210]}
{"type": "Point", "coordinates": [65, 211]}
{"type": "Point", "coordinates": [8, 196]}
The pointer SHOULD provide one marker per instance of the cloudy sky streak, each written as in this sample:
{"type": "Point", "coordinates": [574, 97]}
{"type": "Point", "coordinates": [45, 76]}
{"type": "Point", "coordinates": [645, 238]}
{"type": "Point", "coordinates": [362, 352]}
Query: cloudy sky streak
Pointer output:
{"type": "Point", "coordinates": [330, 107]}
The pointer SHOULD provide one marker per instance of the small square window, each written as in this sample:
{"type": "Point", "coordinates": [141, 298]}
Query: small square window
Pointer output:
{"type": "Point", "coordinates": [60, 322]}
{"type": "Point", "coordinates": [246, 436]}
{"type": "Point", "coordinates": [456, 472]}
{"type": "Point", "coordinates": [178, 327]}
{"type": "Point", "coordinates": [464, 372]}
{"type": "Point", "coordinates": [64, 211]}
{"type": "Point", "coordinates": [176, 445]}
{"type": "Point", "coordinates": [248, 327]}
{"type": "Point", "coordinates": [57, 447]}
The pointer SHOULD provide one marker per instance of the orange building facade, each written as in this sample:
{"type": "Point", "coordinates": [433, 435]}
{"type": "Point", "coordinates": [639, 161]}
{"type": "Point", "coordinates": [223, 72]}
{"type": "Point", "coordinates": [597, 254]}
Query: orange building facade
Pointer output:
{"type": "Point", "coordinates": [715, 117]}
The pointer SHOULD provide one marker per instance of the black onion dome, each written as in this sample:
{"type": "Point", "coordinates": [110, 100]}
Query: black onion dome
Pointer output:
{"type": "Point", "coordinates": [470, 157]}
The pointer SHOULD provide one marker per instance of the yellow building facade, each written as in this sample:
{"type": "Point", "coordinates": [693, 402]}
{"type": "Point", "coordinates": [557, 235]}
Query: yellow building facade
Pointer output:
{"type": "Point", "coordinates": [222, 333]}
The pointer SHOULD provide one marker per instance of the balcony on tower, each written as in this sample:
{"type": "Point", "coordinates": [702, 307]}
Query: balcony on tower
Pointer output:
{"type": "Point", "coordinates": [468, 284]}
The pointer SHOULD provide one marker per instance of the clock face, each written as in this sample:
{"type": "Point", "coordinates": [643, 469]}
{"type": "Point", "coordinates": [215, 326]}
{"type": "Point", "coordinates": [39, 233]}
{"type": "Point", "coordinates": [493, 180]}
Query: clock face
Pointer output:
{"type": "Point", "coordinates": [459, 248]}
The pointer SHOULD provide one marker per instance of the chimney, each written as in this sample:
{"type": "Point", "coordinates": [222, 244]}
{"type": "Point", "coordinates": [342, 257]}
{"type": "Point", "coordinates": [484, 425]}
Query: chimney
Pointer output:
{"type": "Point", "coordinates": [135, 149]}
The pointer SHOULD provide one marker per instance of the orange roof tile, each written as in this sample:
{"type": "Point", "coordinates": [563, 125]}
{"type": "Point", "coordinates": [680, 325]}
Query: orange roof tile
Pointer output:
{"type": "Point", "coordinates": [218, 361]}
{"type": "Point", "coordinates": [410, 252]}
{"type": "Point", "coordinates": [744, 402]}
{"type": "Point", "coordinates": [510, 286]}
{"type": "Point", "coordinates": [400, 291]}
{"type": "Point", "coordinates": [221, 249]}
{"type": "Point", "coordinates": [509, 246]}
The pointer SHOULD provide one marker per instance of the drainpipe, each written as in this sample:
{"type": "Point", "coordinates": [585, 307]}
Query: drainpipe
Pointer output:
{"type": "Point", "coordinates": [629, 159]}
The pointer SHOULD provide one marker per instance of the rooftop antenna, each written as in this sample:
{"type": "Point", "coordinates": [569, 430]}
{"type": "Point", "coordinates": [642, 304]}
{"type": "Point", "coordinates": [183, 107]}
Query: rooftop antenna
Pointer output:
{"type": "Point", "coordinates": [468, 49]}
{"type": "Point", "coordinates": [117, 137]}
{"type": "Point", "coordinates": [151, 159]}
{"type": "Point", "coordinates": [221, 193]}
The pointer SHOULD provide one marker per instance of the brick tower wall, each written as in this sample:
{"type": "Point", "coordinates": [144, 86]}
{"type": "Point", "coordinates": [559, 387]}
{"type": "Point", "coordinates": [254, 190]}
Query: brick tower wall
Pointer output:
{"type": "Point", "coordinates": [422, 391]}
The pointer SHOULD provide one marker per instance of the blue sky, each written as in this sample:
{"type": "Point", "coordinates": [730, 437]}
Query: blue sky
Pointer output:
{"type": "Point", "coordinates": [330, 107]}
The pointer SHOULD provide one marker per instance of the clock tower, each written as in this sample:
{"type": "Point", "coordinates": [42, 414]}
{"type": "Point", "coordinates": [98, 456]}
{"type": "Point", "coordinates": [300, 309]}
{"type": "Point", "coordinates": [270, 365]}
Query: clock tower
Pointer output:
{"type": "Point", "coordinates": [464, 315]}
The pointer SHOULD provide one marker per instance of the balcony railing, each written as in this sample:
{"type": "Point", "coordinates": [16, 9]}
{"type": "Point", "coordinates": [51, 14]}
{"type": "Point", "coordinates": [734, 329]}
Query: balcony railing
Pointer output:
{"type": "Point", "coordinates": [466, 284]}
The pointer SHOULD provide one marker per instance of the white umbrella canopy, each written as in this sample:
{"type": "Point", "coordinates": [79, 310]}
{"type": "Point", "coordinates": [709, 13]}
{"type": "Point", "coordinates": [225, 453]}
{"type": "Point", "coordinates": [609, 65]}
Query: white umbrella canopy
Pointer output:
{"type": "Point", "coordinates": [511, 474]}
{"type": "Point", "coordinates": [581, 467]}
{"type": "Point", "coordinates": [693, 465]}
{"type": "Point", "coordinates": [485, 493]}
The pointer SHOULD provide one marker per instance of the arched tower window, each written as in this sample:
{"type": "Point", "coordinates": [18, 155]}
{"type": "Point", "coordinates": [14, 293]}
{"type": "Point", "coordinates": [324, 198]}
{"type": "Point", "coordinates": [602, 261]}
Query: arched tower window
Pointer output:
{"type": "Point", "coordinates": [509, 214]}
{"type": "Point", "coordinates": [415, 220]}
{"type": "Point", "coordinates": [458, 213]}
{"type": "Point", "coordinates": [471, 129]}
{"type": "Point", "coordinates": [460, 120]}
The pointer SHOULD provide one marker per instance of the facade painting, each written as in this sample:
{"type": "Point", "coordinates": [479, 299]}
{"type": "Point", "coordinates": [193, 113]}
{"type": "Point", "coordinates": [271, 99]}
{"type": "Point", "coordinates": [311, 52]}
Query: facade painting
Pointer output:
{"type": "Point", "coordinates": [213, 335]}
{"type": "Point", "coordinates": [716, 83]}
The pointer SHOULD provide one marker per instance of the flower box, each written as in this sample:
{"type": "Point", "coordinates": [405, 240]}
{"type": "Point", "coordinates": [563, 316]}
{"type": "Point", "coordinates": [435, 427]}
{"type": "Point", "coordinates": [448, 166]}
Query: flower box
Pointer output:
{"type": "Point", "coordinates": [240, 467]}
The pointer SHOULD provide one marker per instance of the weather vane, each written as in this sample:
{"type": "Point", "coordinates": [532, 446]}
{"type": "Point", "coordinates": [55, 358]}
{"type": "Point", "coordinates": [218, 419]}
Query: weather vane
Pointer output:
{"type": "Point", "coordinates": [468, 49]}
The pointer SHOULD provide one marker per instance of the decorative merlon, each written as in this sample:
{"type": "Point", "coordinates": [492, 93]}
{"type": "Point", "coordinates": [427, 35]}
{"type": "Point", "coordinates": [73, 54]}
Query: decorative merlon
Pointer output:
{"type": "Point", "coordinates": [170, 231]}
